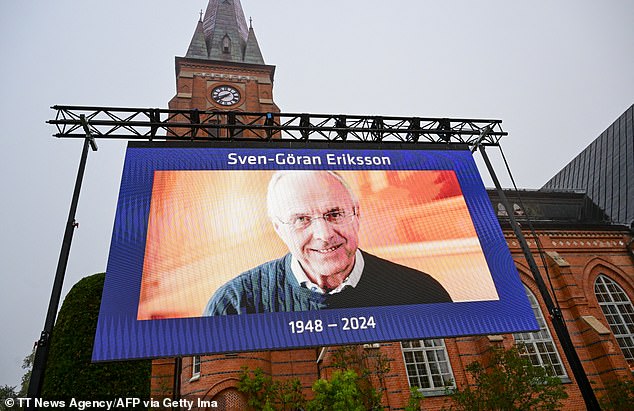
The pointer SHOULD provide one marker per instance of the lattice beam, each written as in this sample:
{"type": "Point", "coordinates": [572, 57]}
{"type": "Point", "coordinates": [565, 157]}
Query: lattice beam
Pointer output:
{"type": "Point", "coordinates": [165, 124]}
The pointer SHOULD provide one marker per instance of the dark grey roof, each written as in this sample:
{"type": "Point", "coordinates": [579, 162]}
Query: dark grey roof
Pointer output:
{"type": "Point", "coordinates": [223, 35]}
{"type": "Point", "coordinates": [552, 207]}
{"type": "Point", "coordinates": [198, 46]}
{"type": "Point", "coordinates": [605, 170]}
{"type": "Point", "coordinates": [252, 53]}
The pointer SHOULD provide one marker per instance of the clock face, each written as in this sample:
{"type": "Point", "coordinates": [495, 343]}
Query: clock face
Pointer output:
{"type": "Point", "coordinates": [225, 95]}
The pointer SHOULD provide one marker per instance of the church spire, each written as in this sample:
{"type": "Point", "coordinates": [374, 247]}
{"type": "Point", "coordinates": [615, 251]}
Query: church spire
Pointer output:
{"type": "Point", "coordinates": [252, 53]}
{"type": "Point", "coordinates": [224, 35]}
{"type": "Point", "coordinates": [198, 47]}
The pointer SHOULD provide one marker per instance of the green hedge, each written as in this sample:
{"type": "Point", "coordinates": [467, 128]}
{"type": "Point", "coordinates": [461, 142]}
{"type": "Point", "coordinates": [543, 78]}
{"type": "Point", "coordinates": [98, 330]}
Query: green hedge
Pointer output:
{"type": "Point", "coordinates": [69, 372]}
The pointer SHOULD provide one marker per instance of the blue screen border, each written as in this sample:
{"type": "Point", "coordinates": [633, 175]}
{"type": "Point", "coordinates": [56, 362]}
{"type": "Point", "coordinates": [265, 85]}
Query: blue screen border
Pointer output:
{"type": "Point", "coordinates": [120, 335]}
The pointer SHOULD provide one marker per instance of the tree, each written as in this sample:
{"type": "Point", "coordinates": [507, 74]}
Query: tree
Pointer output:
{"type": "Point", "coordinates": [510, 382]}
{"type": "Point", "coordinates": [258, 388]}
{"type": "Point", "coordinates": [618, 396]}
{"type": "Point", "coordinates": [351, 386]}
{"type": "Point", "coordinates": [340, 393]}
{"type": "Point", "coordinates": [7, 392]}
{"type": "Point", "coordinates": [265, 394]}
{"type": "Point", "coordinates": [27, 365]}
{"type": "Point", "coordinates": [415, 399]}
{"type": "Point", "coordinates": [69, 371]}
{"type": "Point", "coordinates": [371, 367]}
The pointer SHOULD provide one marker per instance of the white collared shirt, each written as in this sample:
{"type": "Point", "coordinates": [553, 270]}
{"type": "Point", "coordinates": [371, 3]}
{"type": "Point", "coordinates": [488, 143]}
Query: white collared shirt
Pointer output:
{"type": "Point", "coordinates": [352, 280]}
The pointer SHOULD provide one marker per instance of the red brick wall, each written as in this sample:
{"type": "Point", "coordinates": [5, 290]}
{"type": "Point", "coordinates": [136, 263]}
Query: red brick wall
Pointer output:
{"type": "Point", "coordinates": [162, 381]}
{"type": "Point", "coordinates": [588, 254]}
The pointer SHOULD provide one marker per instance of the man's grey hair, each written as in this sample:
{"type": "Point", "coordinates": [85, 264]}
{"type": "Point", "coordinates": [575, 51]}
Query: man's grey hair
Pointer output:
{"type": "Point", "coordinates": [271, 199]}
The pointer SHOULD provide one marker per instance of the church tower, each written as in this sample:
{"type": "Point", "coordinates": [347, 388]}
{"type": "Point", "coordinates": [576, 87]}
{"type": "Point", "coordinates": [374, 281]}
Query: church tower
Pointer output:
{"type": "Point", "coordinates": [223, 68]}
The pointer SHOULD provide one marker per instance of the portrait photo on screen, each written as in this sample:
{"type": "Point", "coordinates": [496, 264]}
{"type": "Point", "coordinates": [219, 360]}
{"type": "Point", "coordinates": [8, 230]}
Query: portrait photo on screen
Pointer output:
{"type": "Point", "coordinates": [226, 247]}
{"type": "Point", "coordinates": [223, 242]}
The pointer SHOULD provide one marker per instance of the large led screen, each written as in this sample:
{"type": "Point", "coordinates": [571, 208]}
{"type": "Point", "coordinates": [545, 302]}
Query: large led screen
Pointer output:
{"type": "Point", "coordinates": [224, 248]}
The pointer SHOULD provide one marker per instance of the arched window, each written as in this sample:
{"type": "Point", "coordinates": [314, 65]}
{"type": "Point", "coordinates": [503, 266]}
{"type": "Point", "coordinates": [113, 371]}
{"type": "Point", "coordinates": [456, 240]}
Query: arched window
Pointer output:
{"type": "Point", "coordinates": [427, 365]}
{"type": "Point", "coordinates": [619, 312]}
{"type": "Point", "coordinates": [540, 347]}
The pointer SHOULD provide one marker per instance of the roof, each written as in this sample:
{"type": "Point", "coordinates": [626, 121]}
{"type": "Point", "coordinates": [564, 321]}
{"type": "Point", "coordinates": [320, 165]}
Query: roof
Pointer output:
{"type": "Point", "coordinates": [570, 208]}
{"type": "Point", "coordinates": [223, 35]}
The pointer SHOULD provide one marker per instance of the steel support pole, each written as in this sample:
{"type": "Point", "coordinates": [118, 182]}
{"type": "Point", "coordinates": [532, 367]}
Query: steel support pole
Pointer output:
{"type": "Point", "coordinates": [555, 313]}
{"type": "Point", "coordinates": [43, 344]}
{"type": "Point", "coordinates": [176, 386]}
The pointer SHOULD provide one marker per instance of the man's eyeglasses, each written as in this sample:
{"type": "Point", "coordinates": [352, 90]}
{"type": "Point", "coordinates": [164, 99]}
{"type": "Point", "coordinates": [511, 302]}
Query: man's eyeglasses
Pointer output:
{"type": "Point", "coordinates": [335, 217]}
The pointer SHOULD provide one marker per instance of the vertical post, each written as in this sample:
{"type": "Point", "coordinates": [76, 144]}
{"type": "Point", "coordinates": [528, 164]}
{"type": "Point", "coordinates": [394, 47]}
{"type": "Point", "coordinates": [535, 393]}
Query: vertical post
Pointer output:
{"type": "Point", "coordinates": [176, 387]}
{"type": "Point", "coordinates": [43, 344]}
{"type": "Point", "coordinates": [269, 123]}
{"type": "Point", "coordinates": [557, 318]}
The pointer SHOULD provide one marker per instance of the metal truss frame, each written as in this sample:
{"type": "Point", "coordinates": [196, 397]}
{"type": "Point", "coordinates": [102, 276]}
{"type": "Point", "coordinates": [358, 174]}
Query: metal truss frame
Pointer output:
{"type": "Point", "coordinates": [90, 123]}
{"type": "Point", "coordinates": [165, 124]}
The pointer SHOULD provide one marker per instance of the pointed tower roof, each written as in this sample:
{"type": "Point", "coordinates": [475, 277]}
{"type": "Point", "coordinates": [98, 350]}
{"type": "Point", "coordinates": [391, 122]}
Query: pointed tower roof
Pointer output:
{"type": "Point", "coordinates": [252, 53]}
{"type": "Point", "coordinates": [222, 35]}
{"type": "Point", "coordinates": [198, 47]}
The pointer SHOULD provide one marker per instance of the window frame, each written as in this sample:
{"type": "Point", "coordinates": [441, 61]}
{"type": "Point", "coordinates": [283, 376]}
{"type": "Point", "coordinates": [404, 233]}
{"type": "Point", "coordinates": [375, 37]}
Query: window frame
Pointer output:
{"type": "Point", "coordinates": [619, 313]}
{"type": "Point", "coordinates": [196, 367]}
{"type": "Point", "coordinates": [439, 346]}
{"type": "Point", "coordinates": [536, 340]}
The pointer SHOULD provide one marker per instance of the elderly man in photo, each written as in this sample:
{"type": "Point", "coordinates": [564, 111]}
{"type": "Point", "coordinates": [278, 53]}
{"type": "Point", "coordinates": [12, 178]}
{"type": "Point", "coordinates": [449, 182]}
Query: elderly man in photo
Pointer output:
{"type": "Point", "coordinates": [316, 215]}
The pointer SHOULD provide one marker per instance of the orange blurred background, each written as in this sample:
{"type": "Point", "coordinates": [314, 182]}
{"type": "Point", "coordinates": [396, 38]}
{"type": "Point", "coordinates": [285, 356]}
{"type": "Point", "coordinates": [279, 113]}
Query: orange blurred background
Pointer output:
{"type": "Point", "coordinates": [206, 227]}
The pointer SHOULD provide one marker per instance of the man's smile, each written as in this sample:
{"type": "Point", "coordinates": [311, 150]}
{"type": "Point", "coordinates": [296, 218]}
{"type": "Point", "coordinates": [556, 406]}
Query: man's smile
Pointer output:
{"type": "Point", "coordinates": [326, 246]}
{"type": "Point", "coordinates": [326, 250]}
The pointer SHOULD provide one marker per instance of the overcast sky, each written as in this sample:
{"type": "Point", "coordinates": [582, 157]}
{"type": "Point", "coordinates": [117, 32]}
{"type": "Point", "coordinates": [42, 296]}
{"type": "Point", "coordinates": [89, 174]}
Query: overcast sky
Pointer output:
{"type": "Point", "coordinates": [557, 73]}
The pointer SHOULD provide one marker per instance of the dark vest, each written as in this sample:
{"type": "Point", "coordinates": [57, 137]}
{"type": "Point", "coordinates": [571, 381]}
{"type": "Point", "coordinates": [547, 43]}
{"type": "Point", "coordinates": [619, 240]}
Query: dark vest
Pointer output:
{"type": "Point", "coordinates": [272, 287]}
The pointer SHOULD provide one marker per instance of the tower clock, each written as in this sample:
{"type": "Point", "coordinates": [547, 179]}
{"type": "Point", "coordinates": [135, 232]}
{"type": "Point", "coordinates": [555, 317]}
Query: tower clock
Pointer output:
{"type": "Point", "coordinates": [225, 95]}
{"type": "Point", "coordinates": [223, 68]}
